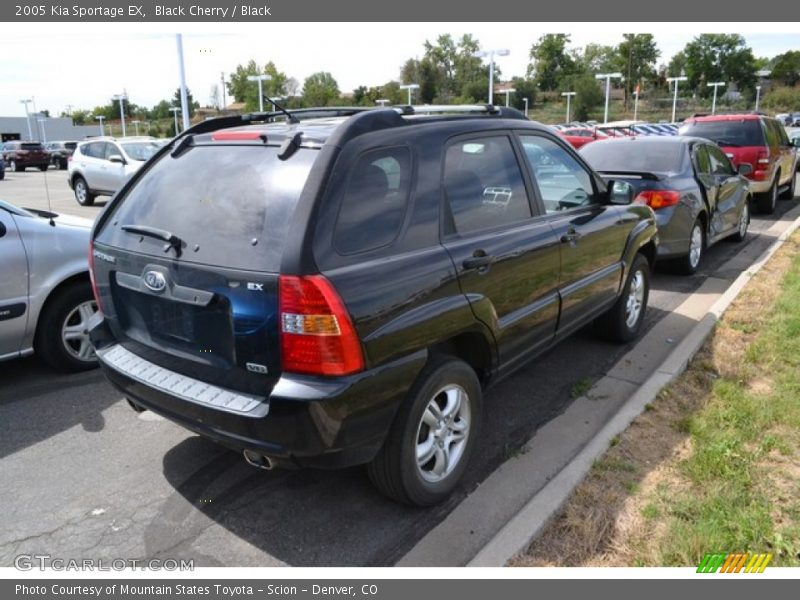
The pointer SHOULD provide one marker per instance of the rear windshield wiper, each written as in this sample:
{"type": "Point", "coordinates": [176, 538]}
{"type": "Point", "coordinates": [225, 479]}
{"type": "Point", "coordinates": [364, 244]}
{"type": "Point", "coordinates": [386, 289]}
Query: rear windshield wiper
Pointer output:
{"type": "Point", "coordinates": [172, 240]}
{"type": "Point", "coordinates": [727, 143]}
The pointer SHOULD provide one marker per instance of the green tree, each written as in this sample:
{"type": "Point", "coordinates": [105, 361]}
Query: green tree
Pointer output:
{"type": "Point", "coordinates": [637, 55]}
{"type": "Point", "coordinates": [80, 117]}
{"type": "Point", "coordinates": [786, 68]}
{"type": "Point", "coordinates": [677, 65]}
{"type": "Point", "coordinates": [526, 88]}
{"type": "Point", "coordinates": [320, 89]}
{"type": "Point", "coordinates": [550, 62]}
{"type": "Point", "coordinates": [428, 80]}
{"type": "Point", "coordinates": [409, 72]}
{"type": "Point", "coordinates": [190, 101]}
{"type": "Point", "coordinates": [719, 57]}
{"type": "Point", "coordinates": [597, 58]}
{"type": "Point", "coordinates": [587, 95]}
{"type": "Point", "coordinates": [244, 90]}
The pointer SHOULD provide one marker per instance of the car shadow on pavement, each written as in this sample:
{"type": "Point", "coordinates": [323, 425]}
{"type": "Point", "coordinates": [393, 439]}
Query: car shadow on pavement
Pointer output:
{"type": "Point", "coordinates": [336, 518]}
{"type": "Point", "coordinates": [37, 403]}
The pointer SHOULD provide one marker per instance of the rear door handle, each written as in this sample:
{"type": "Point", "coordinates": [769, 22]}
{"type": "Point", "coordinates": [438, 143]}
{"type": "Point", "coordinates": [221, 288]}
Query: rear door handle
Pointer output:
{"type": "Point", "coordinates": [570, 237]}
{"type": "Point", "coordinates": [478, 262]}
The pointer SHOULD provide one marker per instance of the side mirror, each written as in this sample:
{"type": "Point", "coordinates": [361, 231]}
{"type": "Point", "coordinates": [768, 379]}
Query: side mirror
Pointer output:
{"type": "Point", "coordinates": [116, 158]}
{"type": "Point", "coordinates": [795, 141]}
{"type": "Point", "coordinates": [620, 192]}
{"type": "Point", "coordinates": [745, 169]}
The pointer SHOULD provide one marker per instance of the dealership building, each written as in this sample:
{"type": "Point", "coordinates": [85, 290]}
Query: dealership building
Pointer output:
{"type": "Point", "coordinates": [44, 129]}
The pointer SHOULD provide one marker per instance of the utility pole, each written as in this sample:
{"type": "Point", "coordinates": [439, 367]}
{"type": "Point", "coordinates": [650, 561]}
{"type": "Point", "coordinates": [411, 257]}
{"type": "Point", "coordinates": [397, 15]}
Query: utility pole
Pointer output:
{"type": "Point", "coordinates": [222, 81]}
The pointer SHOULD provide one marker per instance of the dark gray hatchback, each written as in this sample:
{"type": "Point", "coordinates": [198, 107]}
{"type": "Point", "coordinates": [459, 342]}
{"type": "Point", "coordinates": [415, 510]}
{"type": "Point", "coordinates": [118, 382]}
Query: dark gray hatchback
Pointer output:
{"type": "Point", "coordinates": [337, 288]}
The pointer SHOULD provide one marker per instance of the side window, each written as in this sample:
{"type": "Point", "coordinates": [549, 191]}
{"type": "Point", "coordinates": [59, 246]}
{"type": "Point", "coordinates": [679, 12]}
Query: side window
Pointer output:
{"type": "Point", "coordinates": [720, 165]}
{"type": "Point", "coordinates": [93, 150]}
{"type": "Point", "coordinates": [701, 160]}
{"type": "Point", "coordinates": [483, 184]}
{"type": "Point", "coordinates": [772, 135]}
{"type": "Point", "coordinates": [562, 181]}
{"type": "Point", "coordinates": [374, 204]}
{"type": "Point", "coordinates": [782, 135]}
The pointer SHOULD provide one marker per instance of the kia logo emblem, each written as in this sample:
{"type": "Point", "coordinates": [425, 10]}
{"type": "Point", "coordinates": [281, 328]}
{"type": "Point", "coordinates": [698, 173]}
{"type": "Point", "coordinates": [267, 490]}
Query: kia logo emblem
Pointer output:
{"type": "Point", "coordinates": [155, 281]}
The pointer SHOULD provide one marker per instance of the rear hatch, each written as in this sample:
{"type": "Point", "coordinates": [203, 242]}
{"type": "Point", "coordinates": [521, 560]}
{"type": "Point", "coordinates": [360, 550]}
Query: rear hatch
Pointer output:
{"type": "Point", "coordinates": [32, 151]}
{"type": "Point", "coordinates": [187, 262]}
{"type": "Point", "coordinates": [741, 139]}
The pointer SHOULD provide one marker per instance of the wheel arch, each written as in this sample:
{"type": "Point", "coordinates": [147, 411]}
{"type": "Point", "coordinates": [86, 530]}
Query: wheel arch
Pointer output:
{"type": "Point", "coordinates": [77, 278]}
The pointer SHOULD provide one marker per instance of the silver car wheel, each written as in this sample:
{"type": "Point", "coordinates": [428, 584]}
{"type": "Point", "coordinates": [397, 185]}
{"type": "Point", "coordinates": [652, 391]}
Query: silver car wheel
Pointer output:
{"type": "Point", "coordinates": [80, 191]}
{"type": "Point", "coordinates": [75, 331]}
{"type": "Point", "coordinates": [442, 433]}
{"type": "Point", "coordinates": [12, 166]}
{"type": "Point", "coordinates": [695, 245]}
{"type": "Point", "coordinates": [633, 307]}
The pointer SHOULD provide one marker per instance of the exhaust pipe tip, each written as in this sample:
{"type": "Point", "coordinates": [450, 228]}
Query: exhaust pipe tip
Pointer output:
{"type": "Point", "coordinates": [257, 460]}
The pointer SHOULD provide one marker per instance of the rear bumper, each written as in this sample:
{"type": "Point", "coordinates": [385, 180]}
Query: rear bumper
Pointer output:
{"type": "Point", "coordinates": [304, 422]}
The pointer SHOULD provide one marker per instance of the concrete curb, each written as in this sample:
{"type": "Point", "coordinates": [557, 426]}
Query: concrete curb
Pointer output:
{"type": "Point", "coordinates": [518, 533]}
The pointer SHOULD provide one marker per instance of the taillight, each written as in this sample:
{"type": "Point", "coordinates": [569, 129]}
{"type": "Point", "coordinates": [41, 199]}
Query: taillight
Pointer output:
{"type": "Point", "coordinates": [763, 157]}
{"type": "Point", "coordinates": [92, 278]}
{"type": "Point", "coordinates": [69, 158]}
{"type": "Point", "coordinates": [656, 199]}
{"type": "Point", "coordinates": [317, 334]}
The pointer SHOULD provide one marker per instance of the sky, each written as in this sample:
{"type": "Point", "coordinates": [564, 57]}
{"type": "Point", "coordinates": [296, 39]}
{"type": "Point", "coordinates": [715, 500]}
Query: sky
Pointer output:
{"type": "Point", "coordinates": [84, 64]}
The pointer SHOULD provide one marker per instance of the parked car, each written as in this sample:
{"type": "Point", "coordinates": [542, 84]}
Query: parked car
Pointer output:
{"type": "Point", "coordinates": [697, 195]}
{"type": "Point", "coordinates": [21, 155]}
{"type": "Point", "coordinates": [100, 166]}
{"type": "Point", "coordinates": [580, 136]}
{"type": "Point", "coordinates": [45, 295]}
{"type": "Point", "coordinates": [60, 153]}
{"type": "Point", "coordinates": [336, 291]}
{"type": "Point", "coordinates": [758, 141]}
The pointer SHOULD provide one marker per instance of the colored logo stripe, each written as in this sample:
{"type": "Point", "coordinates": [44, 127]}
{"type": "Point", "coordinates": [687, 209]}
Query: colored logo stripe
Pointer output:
{"type": "Point", "coordinates": [734, 563]}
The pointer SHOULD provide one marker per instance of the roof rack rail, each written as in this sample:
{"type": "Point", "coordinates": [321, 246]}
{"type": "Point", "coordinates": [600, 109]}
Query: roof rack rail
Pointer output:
{"type": "Point", "coordinates": [445, 109]}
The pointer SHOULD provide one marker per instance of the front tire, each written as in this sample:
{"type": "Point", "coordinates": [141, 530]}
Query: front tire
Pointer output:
{"type": "Point", "coordinates": [62, 335]}
{"type": "Point", "coordinates": [623, 321]}
{"type": "Point", "coordinates": [430, 442]}
{"type": "Point", "coordinates": [82, 193]}
{"type": "Point", "coordinates": [744, 223]}
{"type": "Point", "coordinates": [789, 193]}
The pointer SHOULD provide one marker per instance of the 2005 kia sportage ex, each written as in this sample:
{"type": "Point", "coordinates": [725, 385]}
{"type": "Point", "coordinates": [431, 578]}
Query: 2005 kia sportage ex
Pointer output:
{"type": "Point", "coordinates": [339, 286]}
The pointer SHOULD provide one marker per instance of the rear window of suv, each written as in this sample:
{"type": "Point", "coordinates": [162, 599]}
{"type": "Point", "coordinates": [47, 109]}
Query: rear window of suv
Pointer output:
{"type": "Point", "coordinates": [230, 205]}
{"type": "Point", "coordinates": [727, 133]}
{"type": "Point", "coordinates": [32, 147]}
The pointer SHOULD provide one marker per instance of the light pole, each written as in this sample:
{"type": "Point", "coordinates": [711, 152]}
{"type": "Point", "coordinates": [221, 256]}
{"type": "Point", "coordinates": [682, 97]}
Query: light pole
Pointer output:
{"type": "Point", "coordinates": [28, 117]}
{"type": "Point", "coordinates": [508, 92]}
{"type": "Point", "coordinates": [715, 85]}
{"type": "Point", "coordinates": [383, 102]}
{"type": "Point", "coordinates": [675, 96]}
{"type": "Point", "coordinates": [569, 96]}
{"type": "Point", "coordinates": [758, 95]}
{"type": "Point", "coordinates": [102, 129]}
{"type": "Point", "coordinates": [182, 73]}
{"type": "Point", "coordinates": [608, 77]}
{"type": "Point", "coordinates": [175, 110]}
{"type": "Point", "coordinates": [136, 125]}
{"type": "Point", "coordinates": [409, 87]}
{"type": "Point", "coordinates": [121, 98]}
{"type": "Point", "coordinates": [491, 54]}
{"type": "Point", "coordinates": [259, 79]}
{"type": "Point", "coordinates": [525, 100]}
{"type": "Point", "coordinates": [44, 131]}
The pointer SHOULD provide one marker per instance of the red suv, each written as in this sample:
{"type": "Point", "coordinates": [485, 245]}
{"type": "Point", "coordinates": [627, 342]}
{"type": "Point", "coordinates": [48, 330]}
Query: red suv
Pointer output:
{"type": "Point", "coordinates": [758, 141]}
{"type": "Point", "coordinates": [21, 155]}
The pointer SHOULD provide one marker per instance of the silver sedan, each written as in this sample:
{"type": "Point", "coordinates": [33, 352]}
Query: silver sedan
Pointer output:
{"type": "Point", "coordinates": [46, 296]}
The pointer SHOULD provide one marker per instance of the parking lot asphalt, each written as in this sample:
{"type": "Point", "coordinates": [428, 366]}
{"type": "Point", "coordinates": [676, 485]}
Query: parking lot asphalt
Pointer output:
{"type": "Point", "coordinates": [89, 478]}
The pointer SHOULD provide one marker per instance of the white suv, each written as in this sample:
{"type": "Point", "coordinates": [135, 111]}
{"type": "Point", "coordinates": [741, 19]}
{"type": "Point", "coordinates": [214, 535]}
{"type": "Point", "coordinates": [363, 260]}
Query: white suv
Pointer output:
{"type": "Point", "coordinates": [101, 165]}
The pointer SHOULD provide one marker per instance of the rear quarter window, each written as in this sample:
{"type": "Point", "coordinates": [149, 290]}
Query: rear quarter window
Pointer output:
{"type": "Point", "coordinates": [375, 201]}
{"type": "Point", "coordinates": [727, 133]}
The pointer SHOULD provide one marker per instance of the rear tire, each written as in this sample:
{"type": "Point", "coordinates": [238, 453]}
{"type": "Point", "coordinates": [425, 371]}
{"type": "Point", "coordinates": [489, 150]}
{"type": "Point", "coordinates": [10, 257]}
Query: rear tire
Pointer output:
{"type": "Point", "coordinates": [688, 264]}
{"type": "Point", "coordinates": [432, 437]}
{"type": "Point", "coordinates": [623, 321]}
{"type": "Point", "coordinates": [82, 193]}
{"type": "Point", "coordinates": [766, 202]}
{"type": "Point", "coordinates": [15, 167]}
{"type": "Point", "coordinates": [62, 331]}
{"type": "Point", "coordinates": [43, 167]}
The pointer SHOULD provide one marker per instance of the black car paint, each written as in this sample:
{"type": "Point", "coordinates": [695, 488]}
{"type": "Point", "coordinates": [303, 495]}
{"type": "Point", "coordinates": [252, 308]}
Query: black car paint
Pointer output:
{"type": "Point", "coordinates": [407, 299]}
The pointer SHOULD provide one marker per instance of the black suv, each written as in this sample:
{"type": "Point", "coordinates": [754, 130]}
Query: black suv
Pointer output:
{"type": "Point", "coordinates": [338, 288]}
